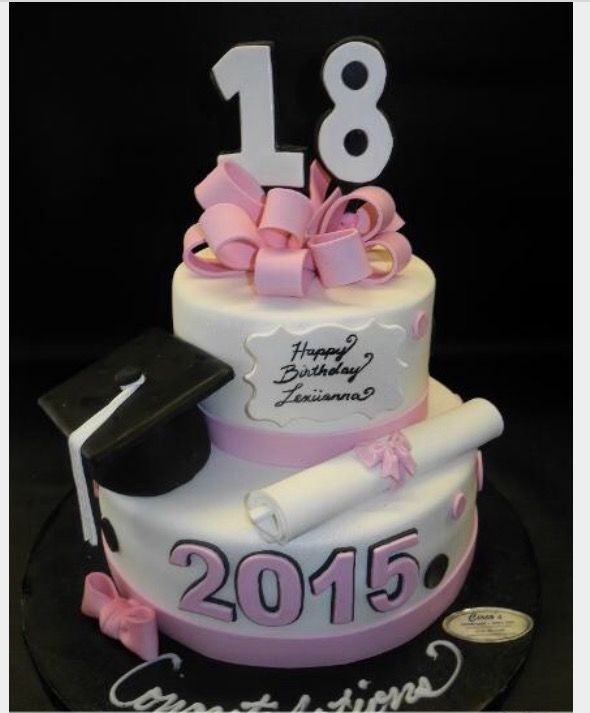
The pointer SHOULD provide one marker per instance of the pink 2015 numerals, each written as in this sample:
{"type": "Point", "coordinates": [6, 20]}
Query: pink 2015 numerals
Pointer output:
{"type": "Point", "coordinates": [392, 576]}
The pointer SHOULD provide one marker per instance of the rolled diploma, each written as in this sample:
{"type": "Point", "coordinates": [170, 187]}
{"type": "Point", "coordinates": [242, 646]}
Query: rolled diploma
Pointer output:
{"type": "Point", "coordinates": [287, 509]}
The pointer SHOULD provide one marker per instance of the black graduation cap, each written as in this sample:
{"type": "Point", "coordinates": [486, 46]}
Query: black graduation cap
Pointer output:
{"type": "Point", "coordinates": [156, 439]}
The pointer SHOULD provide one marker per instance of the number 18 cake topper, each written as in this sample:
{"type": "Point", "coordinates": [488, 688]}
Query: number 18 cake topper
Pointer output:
{"type": "Point", "coordinates": [355, 140]}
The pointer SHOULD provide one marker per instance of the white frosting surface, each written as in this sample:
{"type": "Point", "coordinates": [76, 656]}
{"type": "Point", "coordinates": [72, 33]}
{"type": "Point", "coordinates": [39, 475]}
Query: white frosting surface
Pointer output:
{"type": "Point", "coordinates": [219, 315]}
{"type": "Point", "coordinates": [211, 508]}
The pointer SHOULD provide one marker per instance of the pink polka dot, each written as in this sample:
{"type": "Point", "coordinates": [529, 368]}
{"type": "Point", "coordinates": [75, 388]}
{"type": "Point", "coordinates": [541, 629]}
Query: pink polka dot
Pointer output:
{"type": "Point", "coordinates": [479, 470]}
{"type": "Point", "coordinates": [458, 507]}
{"type": "Point", "coordinates": [420, 326]}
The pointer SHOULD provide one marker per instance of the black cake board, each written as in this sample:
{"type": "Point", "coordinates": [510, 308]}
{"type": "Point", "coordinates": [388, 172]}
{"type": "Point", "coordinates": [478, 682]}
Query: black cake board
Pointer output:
{"type": "Point", "coordinates": [78, 665]}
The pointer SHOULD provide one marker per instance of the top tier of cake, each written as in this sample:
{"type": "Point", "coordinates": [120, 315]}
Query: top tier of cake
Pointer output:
{"type": "Point", "coordinates": [337, 360]}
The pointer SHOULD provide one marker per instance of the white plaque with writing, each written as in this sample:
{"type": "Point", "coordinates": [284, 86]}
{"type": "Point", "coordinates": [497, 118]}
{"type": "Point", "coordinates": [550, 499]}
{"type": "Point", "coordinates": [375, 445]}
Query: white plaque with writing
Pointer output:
{"type": "Point", "coordinates": [325, 373]}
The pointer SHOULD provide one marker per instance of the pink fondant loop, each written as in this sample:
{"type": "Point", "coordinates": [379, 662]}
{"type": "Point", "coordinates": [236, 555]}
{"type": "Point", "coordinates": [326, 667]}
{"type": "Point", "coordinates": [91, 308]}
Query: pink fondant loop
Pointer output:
{"type": "Point", "coordinates": [131, 622]}
{"type": "Point", "coordinates": [285, 218]}
{"type": "Point", "coordinates": [376, 213]}
{"type": "Point", "coordinates": [285, 238]}
{"type": "Point", "coordinates": [230, 183]}
{"type": "Point", "coordinates": [231, 235]}
{"type": "Point", "coordinates": [340, 257]}
{"type": "Point", "coordinates": [399, 251]}
{"type": "Point", "coordinates": [282, 272]}
{"type": "Point", "coordinates": [194, 242]}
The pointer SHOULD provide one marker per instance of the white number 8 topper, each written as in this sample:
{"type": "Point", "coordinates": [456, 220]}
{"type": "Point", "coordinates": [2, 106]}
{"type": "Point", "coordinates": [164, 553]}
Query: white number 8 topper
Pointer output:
{"type": "Point", "coordinates": [354, 75]}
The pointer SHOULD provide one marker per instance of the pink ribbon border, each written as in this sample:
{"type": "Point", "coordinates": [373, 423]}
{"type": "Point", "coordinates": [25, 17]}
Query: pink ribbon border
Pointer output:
{"type": "Point", "coordinates": [302, 450]}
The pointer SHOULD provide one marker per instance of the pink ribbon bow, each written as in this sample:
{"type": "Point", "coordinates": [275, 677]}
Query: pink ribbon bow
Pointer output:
{"type": "Point", "coordinates": [285, 238]}
{"type": "Point", "coordinates": [132, 623]}
{"type": "Point", "coordinates": [394, 454]}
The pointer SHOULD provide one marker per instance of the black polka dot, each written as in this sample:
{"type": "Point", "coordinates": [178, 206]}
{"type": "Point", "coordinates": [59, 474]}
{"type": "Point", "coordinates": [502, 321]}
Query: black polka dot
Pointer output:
{"type": "Point", "coordinates": [436, 571]}
{"type": "Point", "coordinates": [355, 142]}
{"type": "Point", "coordinates": [110, 535]}
{"type": "Point", "coordinates": [355, 75]}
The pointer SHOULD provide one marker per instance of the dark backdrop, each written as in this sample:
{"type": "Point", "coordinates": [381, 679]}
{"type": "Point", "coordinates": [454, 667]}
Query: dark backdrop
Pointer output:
{"type": "Point", "coordinates": [114, 119]}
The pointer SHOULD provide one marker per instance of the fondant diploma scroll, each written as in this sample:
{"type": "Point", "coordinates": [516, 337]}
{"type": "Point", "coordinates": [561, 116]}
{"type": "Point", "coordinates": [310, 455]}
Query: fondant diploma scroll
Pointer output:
{"type": "Point", "coordinates": [287, 509]}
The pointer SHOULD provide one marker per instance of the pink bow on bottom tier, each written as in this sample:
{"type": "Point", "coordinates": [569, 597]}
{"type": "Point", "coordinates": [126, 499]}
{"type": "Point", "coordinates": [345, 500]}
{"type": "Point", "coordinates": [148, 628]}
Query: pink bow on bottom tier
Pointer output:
{"type": "Point", "coordinates": [126, 620]}
{"type": "Point", "coordinates": [285, 238]}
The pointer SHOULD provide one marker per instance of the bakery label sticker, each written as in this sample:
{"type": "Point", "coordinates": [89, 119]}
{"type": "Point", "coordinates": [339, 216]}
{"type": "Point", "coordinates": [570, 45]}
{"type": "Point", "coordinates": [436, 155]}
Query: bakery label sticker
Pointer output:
{"type": "Point", "coordinates": [326, 373]}
{"type": "Point", "coordinates": [488, 625]}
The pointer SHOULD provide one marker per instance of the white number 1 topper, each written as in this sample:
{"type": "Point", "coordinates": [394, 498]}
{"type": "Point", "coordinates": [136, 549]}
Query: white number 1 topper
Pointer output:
{"type": "Point", "coordinates": [246, 70]}
{"type": "Point", "coordinates": [354, 140]}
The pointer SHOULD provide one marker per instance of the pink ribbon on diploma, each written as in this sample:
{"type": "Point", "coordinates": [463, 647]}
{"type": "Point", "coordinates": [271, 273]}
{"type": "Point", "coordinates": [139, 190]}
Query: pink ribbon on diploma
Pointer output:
{"type": "Point", "coordinates": [394, 454]}
{"type": "Point", "coordinates": [132, 623]}
{"type": "Point", "coordinates": [285, 238]}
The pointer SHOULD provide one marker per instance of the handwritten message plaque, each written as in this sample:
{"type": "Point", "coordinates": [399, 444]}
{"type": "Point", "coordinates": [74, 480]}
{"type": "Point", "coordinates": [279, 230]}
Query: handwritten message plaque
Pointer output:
{"type": "Point", "coordinates": [326, 373]}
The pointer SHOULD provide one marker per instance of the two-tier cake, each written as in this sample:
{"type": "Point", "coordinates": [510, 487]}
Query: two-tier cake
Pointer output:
{"type": "Point", "coordinates": [281, 483]}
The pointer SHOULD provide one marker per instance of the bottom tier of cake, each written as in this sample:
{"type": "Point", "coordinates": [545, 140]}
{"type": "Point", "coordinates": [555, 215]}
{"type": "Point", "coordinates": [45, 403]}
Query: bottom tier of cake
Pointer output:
{"type": "Point", "coordinates": [359, 584]}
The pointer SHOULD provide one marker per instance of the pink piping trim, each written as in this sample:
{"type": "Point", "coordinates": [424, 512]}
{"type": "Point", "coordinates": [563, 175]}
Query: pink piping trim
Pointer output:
{"type": "Point", "coordinates": [305, 651]}
{"type": "Point", "coordinates": [301, 449]}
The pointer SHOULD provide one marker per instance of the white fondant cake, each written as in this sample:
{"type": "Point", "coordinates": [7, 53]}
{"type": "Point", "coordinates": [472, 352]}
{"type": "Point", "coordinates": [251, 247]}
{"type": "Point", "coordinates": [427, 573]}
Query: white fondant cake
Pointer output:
{"type": "Point", "coordinates": [362, 580]}
{"type": "Point", "coordinates": [286, 486]}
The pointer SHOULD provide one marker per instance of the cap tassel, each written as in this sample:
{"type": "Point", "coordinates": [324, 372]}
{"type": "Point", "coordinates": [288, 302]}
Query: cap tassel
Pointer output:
{"type": "Point", "coordinates": [75, 442]}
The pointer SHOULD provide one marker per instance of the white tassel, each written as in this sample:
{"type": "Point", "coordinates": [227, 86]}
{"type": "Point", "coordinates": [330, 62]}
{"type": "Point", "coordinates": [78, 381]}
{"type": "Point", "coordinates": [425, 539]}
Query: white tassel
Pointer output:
{"type": "Point", "coordinates": [76, 441]}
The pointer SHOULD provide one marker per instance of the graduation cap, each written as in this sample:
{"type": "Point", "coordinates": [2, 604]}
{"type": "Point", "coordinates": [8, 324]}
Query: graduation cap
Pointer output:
{"type": "Point", "coordinates": [131, 419]}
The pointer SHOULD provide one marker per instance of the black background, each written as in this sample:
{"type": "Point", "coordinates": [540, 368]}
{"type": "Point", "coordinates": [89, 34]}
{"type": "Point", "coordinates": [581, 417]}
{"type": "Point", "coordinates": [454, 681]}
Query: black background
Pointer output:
{"type": "Point", "coordinates": [114, 119]}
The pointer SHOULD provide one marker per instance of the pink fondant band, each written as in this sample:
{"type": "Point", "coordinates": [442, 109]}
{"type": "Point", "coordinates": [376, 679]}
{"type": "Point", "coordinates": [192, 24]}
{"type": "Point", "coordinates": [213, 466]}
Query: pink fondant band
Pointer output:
{"type": "Point", "coordinates": [304, 651]}
{"type": "Point", "coordinates": [302, 449]}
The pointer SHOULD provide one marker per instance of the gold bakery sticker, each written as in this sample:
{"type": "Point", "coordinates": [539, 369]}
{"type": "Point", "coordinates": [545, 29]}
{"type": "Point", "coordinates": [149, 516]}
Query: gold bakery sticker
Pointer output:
{"type": "Point", "coordinates": [488, 625]}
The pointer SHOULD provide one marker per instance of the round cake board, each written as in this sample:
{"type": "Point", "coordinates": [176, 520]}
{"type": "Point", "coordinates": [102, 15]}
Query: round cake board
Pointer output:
{"type": "Point", "coordinates": [85, 670]}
